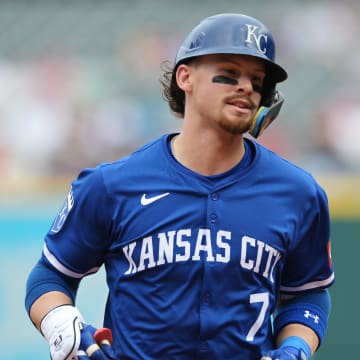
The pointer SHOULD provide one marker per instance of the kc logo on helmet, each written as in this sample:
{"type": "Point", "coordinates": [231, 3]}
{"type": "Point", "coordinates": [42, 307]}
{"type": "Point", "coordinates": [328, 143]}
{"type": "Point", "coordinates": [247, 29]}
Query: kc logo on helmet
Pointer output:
{"type": "Point", "coordinates": [253, 35]}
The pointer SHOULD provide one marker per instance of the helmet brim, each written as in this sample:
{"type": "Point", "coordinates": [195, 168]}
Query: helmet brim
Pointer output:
{"type": "Point", "coordinates": [274, 72]}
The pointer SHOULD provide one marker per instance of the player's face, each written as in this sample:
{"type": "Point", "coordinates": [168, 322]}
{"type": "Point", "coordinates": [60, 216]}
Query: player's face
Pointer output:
{"type": "Point", "coordinates": [226, 89]}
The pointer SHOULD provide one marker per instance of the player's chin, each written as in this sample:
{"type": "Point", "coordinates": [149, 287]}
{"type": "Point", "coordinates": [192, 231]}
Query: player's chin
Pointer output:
{"type": "Point", "coordinates": [236, 126]}
{"type": "Point", "coordinates": [241, 116]}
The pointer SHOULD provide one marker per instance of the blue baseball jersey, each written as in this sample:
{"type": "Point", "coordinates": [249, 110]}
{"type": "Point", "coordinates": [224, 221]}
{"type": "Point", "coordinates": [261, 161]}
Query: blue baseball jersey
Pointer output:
{"type": "Point", "coordinates": [194, 263]}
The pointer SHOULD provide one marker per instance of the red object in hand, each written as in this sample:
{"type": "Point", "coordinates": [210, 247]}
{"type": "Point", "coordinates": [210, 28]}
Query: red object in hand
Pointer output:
{"type": "Point", "coordinates": [103, 335]}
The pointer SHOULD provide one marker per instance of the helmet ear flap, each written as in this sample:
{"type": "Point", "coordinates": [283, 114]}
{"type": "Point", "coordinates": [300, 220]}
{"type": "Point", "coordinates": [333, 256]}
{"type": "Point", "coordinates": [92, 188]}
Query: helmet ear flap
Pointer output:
{"type": "Point", "coordinates": [269, 89]}
{"type": "Point", "coordinates": [266, 114]}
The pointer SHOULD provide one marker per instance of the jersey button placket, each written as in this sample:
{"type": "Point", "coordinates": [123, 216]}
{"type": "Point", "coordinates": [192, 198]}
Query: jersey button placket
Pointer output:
{"type": "Point", "coordinates": [206, 297]}
{"type": "Point", "coordinates": [213, 216]}
{"type": "Point", "coordinates": [206, 311]}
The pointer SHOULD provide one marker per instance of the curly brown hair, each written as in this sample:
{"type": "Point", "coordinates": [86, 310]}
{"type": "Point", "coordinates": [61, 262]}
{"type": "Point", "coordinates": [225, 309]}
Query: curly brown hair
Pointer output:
{"type": "Point", "coordinates": [171, 91]}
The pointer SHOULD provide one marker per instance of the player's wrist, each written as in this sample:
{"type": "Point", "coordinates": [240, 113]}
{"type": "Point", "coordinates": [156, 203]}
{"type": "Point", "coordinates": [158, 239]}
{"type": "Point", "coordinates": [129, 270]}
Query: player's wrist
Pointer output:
{"type": "Point", "coordinates": [57, 316]}
{"type": "Point", "coordinates": [61, 328]}
{"type": "Point", "coordinates": [297, 343]}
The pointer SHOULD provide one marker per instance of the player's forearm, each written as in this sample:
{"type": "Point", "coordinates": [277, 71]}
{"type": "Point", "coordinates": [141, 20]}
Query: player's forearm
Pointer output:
{"type": "Point", "coordinates": [47, 288]}
{"type": "Point", "coordinates": [45, 303]}
{"type": "Point", "coordinates": [305, 317]}
{"type": "Point", "coordinates": [301, 331]}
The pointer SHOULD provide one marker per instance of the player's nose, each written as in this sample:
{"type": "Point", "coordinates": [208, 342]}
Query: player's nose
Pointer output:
{"type": "Point", "coordinates": [244, 85]}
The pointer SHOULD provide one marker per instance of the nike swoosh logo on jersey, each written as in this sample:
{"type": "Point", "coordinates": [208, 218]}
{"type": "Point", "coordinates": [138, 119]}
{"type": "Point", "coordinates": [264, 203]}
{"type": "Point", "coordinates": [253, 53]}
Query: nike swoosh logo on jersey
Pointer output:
{"type": "Point", "coordinates": [149, 200]}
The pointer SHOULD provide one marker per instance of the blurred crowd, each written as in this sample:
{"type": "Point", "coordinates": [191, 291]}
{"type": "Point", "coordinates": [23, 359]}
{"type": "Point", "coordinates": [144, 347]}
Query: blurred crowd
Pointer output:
{"type": "Point", "coordinates": [64, 107]}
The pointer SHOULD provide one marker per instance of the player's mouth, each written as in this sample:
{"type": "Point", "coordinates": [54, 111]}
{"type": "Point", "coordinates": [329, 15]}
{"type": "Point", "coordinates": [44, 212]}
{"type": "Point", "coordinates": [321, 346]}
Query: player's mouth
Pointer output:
{"type": "Point", "coordinates": [241, 105]}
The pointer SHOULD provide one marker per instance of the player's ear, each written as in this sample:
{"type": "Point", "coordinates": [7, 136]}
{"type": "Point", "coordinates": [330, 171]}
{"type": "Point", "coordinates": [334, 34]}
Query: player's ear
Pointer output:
{"type": "Point", "coordinates": [183, 78]}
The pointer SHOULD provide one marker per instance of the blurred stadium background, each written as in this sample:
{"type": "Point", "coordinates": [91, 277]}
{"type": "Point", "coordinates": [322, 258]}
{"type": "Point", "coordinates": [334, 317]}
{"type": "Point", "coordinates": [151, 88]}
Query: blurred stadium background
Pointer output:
{"type": "Point", "coordinates": [79, 85]}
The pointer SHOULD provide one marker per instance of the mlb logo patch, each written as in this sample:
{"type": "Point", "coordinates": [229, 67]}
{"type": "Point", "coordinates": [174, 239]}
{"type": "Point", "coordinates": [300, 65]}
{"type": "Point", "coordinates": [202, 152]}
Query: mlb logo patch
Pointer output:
{"type": "Point", "coordinates": [64, 212]}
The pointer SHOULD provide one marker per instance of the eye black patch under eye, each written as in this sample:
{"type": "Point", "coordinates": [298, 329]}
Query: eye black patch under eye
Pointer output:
{"type": "Point", "coordinates": [258, 89]}
{"type": "Point", "coordinates": [224, 80]}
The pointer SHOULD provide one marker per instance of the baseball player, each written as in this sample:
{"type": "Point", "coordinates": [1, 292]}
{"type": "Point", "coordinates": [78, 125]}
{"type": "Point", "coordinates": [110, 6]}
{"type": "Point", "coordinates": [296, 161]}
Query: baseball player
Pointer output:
{"type": "Point", "coordinates": [214, 247]}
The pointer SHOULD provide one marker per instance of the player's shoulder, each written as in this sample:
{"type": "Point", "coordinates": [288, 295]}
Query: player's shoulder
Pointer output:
{"type": "Point", "coordinates": [277, 166]}
{"type": "Point", "coordinates": [132, 165]}
{"type": "Point", "coordinates": [139, 158]}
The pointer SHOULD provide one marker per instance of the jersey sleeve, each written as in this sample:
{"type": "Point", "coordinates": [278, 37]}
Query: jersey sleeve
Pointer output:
{"type": "Point", "coordinates": [308, 264]}
{"type": "Point", "coordinates": [81, 232]}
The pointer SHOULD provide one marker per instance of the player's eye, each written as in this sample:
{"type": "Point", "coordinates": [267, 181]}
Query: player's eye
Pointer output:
{"type": "Point", "coordinates": [231, 73]}
{"type": "Point", "coordinates": [257, 88]}
{"type": "Point", "coordinates": [257, 84]}
{"type": "Point", "coordinates": [227, 76]}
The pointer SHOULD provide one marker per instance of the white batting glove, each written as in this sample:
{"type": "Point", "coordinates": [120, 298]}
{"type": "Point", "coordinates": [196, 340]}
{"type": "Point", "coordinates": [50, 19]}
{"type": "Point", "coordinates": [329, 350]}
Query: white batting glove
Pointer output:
{"type": "Point", "coordinates": [61, 328]}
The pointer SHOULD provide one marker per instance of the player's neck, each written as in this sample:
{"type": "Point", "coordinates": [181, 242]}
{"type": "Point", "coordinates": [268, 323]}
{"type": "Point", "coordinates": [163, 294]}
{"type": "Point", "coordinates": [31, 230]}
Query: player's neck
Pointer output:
{"type": "Point", "coordinates": [205, 155]}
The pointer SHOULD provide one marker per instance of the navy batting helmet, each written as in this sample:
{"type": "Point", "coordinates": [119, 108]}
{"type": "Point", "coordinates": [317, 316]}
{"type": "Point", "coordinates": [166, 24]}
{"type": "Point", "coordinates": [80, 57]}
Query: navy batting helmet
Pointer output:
{"type": "Point", "coordinates": [232, 34]}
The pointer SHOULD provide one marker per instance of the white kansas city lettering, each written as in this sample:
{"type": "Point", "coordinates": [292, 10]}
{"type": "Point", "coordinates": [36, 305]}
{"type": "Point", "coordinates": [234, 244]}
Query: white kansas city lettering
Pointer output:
{"type": "Point", "coordinates": [265, 260]}
{"type": "Point", "coordinates": [186, 245]}
{"type": "Point", "coordinates": [175, 246]}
